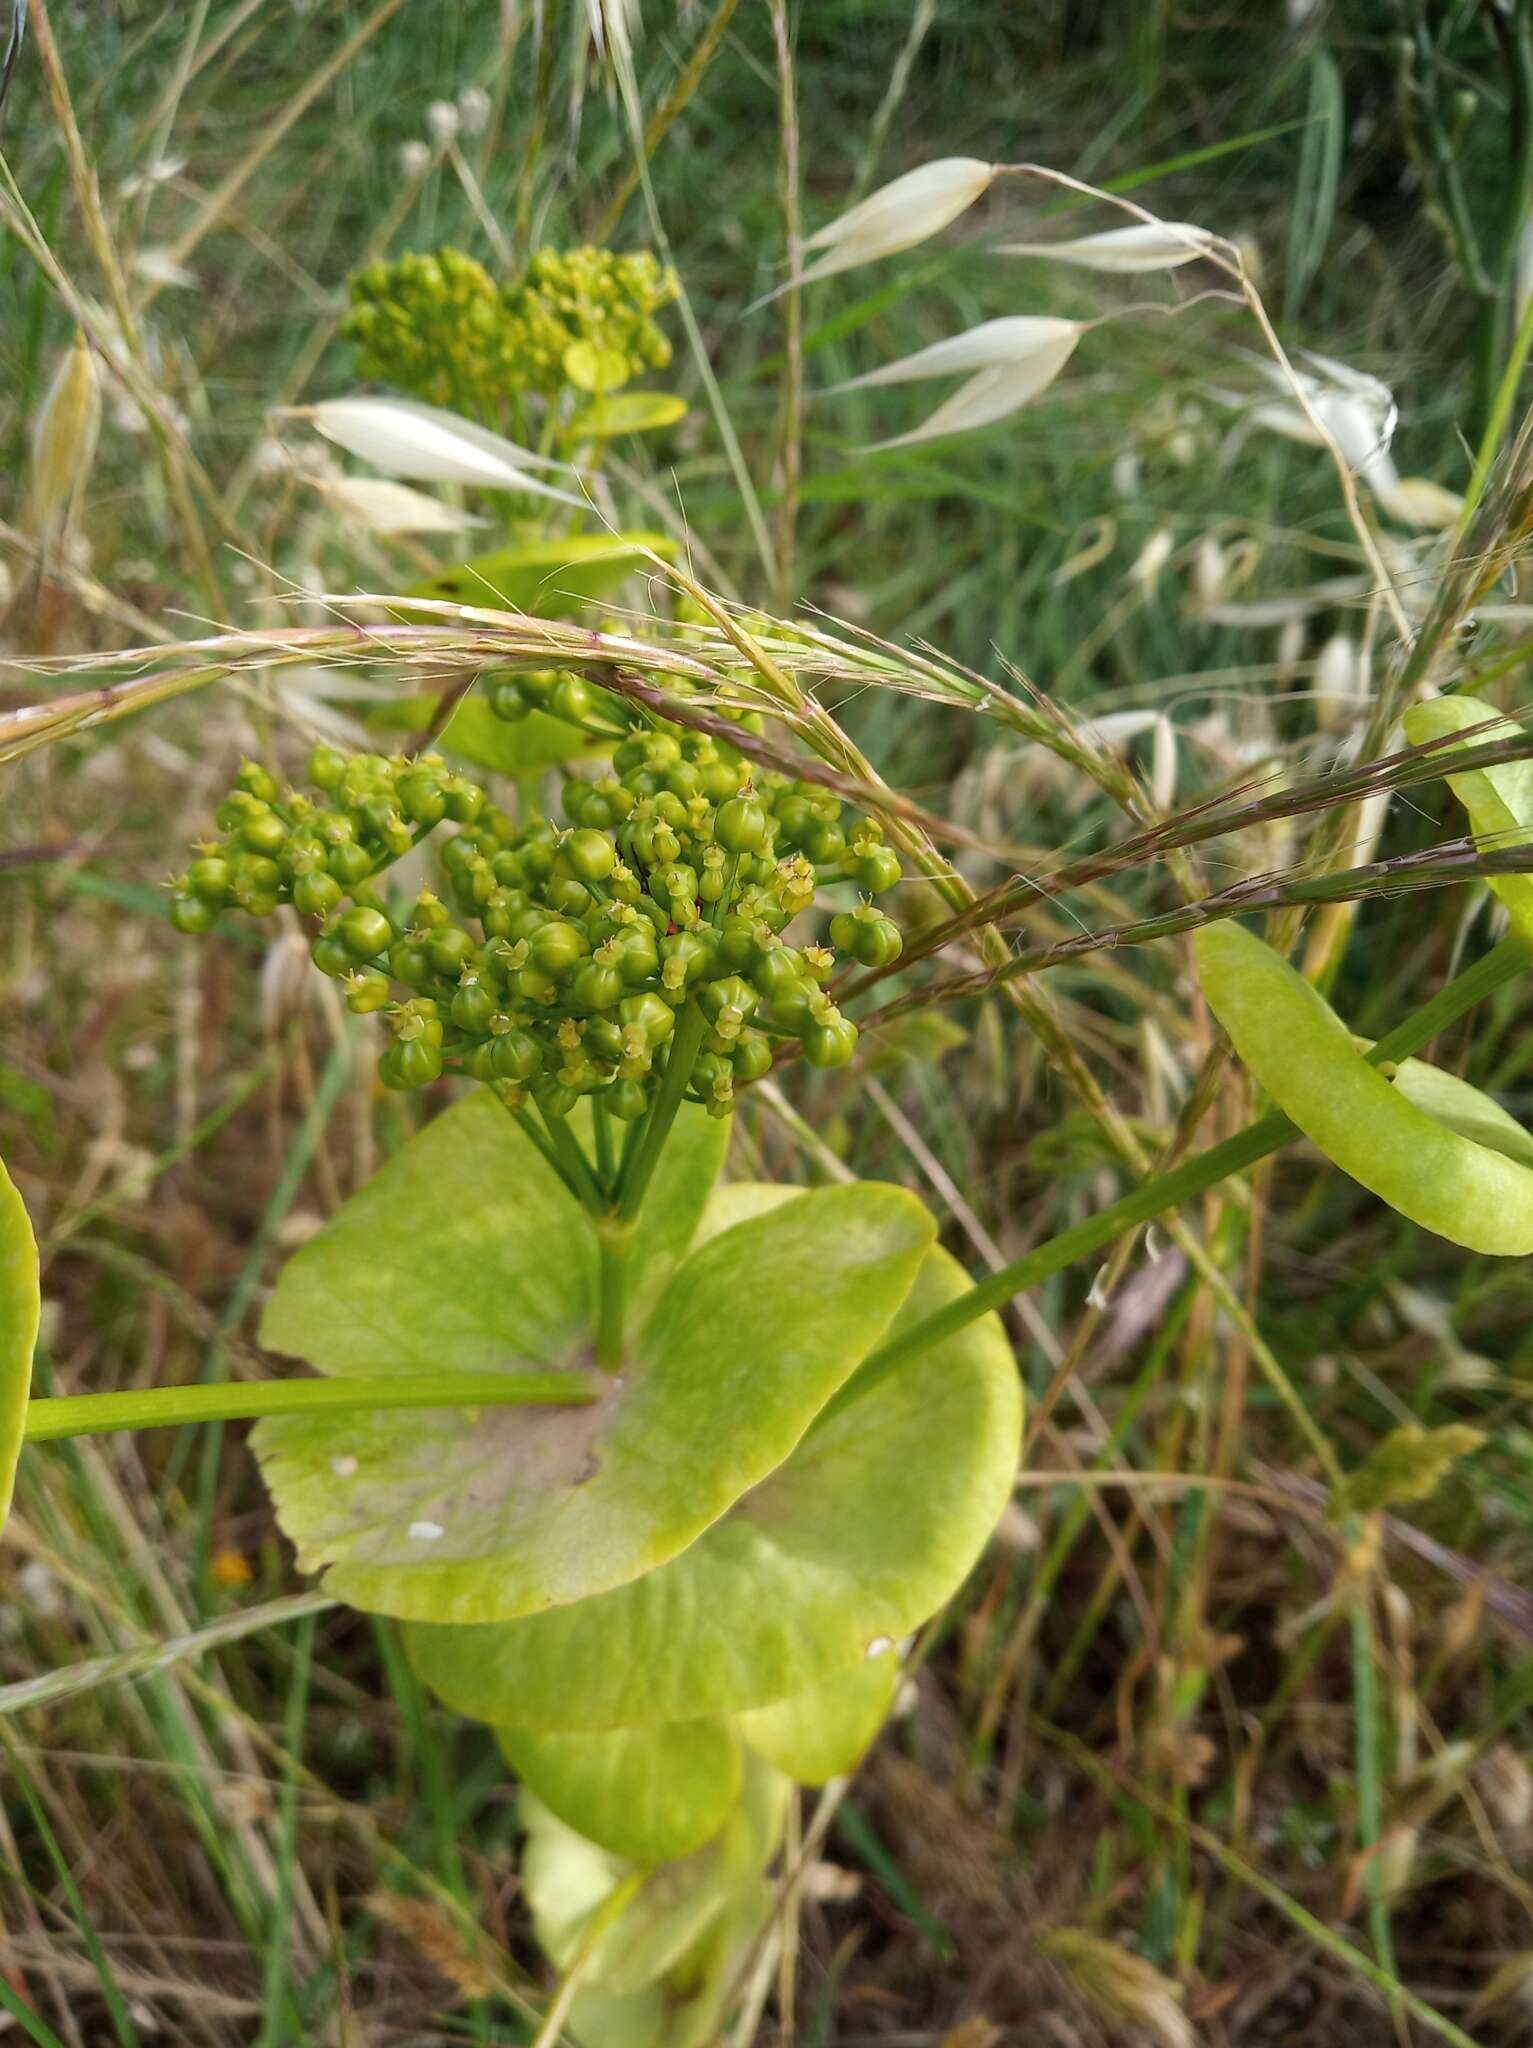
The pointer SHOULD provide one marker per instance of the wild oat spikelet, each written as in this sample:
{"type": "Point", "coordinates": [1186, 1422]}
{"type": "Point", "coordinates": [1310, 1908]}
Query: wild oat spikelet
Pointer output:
{"type": "Point", "coordinates": [64, 440]}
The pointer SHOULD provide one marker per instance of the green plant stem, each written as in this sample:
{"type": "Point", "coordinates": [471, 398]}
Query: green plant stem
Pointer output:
{"type": "Point", "coordinates": [686, 1042]}
{"type": "Point", "coordinates": [574, 1165]}
{"type": "Point", "coordinates": [62, 1415]}
{"type": "Point", "coordinates": [614, 1240]}
{"type": "Point", "coordinates": [1365, 1714]}
{"type": "Point", "coordinates": [1503, 963]}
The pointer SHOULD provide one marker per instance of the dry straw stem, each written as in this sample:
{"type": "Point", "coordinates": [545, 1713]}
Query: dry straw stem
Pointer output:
{"type": "Point", "coordinates": [169, 447]}
{"type": "Point", "coordinates": [1218, 816]}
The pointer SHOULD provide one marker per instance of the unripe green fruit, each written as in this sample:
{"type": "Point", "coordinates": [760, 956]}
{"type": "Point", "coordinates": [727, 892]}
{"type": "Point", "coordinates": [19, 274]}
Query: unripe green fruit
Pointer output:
{"type": "Point", "coordinates": [472, 1008]}
{"type": "Point", "coordinates": [777, 969]}
{"type": "Point", "coordinates": [829, 1042]}
{"type": "Point", "coordinates": [464, 800]}
{"type": "Point", "coordinates": [367, 992]}
{"type": "Point", "coordinates": [877, 869]}
{"type": "Point", "coordinates": [365, 932]}
{"type": "Point", "coordinates": [192, 914]}
{"type": "Point", "coordinates": [571, 699]}
{"type": "Point", "coordinates": [792, 1006]}
{"type": "Point", "coordinates": [825, 844]}
{"type": "Point", "coordinates": [538, 856]}
{"type": "Point", "coordinates": [720, 779]}
{"type": "Point", "coordinates": [878, 942]}
{"type": "Point", "coordinates": [254, 778]}
{"type": "Point", "coordinates": [651, 1017]}
{"type": "Point", "coordinates": [591, 855]}
{"type": "Point", "coordinates": [412, 1063]}
{"type": "Point", "coordinates": [326, 767]}
{"type": "Point", "coordinates": [725, 997]}
{"type": "Point", "coordinates": [596, 987]}
{"type": "Point", "coordinates": [533, 986]}
{"type": "Point", "coordinates": [675, 883]}
{"type": "Point", "coordinates": [794, 818]}
{"type": "Point", "coordinates": [421, 798]}
{"type": "Point", "coordinates": [350, 864]}
{"type": "Point", "coordinates": [479, 1061]}
{"type": "Point", "coordinates": [378, 816]}
{"type": "Point", "coordinates": [685, 957]}
{"type": "Point", "coordinates": [556, 948]}
{"type": "Point", "coordinates": [506, 699]}
{"type": "Point", "coordinates": [410, 964]}
{"type": "Point", "coordinates": [210, 879]}
{"type": "Point", "coordinates": [236, 807]}
{"type": "Point", "coordinates": [516, 1056]}
{"type": "Point", "coordinates": [418, 1018]}
{"type": "Point", "coordinates": [553, 1099]}
{"type": "Point", "coordinates": [449, 949]}
{"type": "Point", "coordinates": [252, 874]}
{"type": "Point", "coordinates": [752, 1056]}
{"type": "Point", "coordinates": [627, 1099]}
{"type": "Point", "coordinates": [741, 825]}
{"type": "Point", "coordinates": [316, 895]}
{"type": "Point", "coordinates": [331, 955]}
{"type": "Point", "coordinates": [263, 832]}
{"type": "Point", "coordinates": [569, 897]}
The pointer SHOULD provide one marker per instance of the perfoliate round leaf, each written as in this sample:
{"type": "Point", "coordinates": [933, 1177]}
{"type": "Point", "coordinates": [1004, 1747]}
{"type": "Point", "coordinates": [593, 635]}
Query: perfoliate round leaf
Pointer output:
{"type": "Point", "coordinates": [465, 1251]}
{"type": "Point", "coordinates": [20, 1306]}
{"type": "Point", "coordinates": [549, 578]}
{"type": "Point", "coordinates": [590, 368]}
{"type": "Point", "coordinates": [648, 1794]}
{"type": "Point", "coordinates": [684, 2008]}
{"type": "Point", "coordinates": [568, 1880]}
{"type": "Point", "coordinates": [863, 1533]}
{"type": "Point", "coordinates": [524, 747]}
{"type": "Point", "coordinates": [821, 1734]}
{"type": "Point", "coordinates": [629, 412]}
{"type": "Point", "coordinates": [473, 1515]}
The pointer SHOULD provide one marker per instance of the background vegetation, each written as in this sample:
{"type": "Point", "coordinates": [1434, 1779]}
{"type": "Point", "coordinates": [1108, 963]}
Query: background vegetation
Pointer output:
{"type": "Point", "coordinates": [1188, 1760]}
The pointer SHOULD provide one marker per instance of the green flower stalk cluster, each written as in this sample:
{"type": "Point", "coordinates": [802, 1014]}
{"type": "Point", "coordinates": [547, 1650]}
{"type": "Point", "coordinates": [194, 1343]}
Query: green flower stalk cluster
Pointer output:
{"type": "Point", "coordinates": [439, 327]}
{"type": "Point", "coordinates": [565, 957]}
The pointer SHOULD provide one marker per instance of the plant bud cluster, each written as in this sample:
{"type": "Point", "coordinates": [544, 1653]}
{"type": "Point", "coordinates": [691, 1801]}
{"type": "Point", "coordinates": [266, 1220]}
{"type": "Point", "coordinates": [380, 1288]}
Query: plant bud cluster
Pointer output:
{"type": "Point", "coordinates": [439, 327]}
{"type": "Point", "coordinates": [559, 956]}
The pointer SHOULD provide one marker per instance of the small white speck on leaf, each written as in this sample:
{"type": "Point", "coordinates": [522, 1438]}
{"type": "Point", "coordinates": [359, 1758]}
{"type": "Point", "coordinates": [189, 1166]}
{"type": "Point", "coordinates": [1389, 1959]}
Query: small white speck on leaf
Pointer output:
{"type": "Point", "coordinates": [878, 1646]}
{"type": "Point", "coordinates": [426, 1532]}
{"type": "Point", "coordinates": [344, 1468]}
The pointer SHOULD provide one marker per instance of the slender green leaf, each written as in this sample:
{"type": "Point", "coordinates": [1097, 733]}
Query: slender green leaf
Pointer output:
{"type": "Point", "coordinates": [1306, 1059]}
{"type": "Point", "coordinates": [20, 1307]}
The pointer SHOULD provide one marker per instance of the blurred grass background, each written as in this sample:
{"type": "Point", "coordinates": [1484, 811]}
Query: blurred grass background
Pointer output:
{"type": "Point", "coordinates": [1140, 1732]}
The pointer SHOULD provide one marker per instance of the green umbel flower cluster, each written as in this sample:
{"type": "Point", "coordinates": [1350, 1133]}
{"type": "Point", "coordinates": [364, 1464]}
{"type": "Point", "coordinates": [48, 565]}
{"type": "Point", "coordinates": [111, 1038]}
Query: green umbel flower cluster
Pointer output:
{"type": "Point", "coordinates": [563, 957]}
{"type": "Point", "coordinates": [440, 328]}
{"type": "Point", "coordinates": [586, 317]}
{"type": "Point", "coordinates": [434, 326]}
